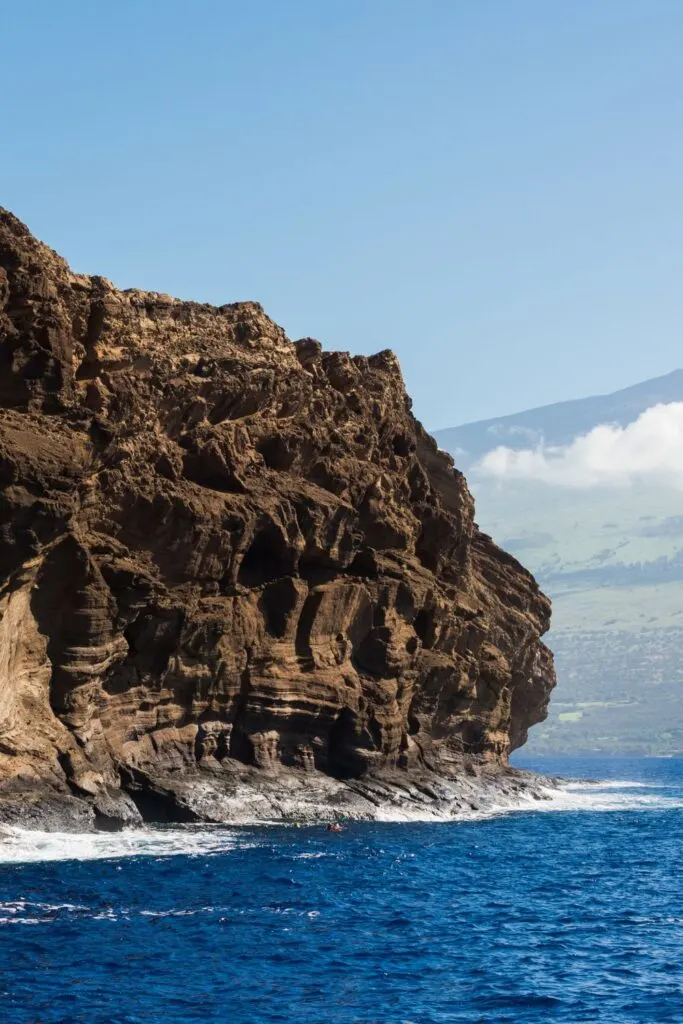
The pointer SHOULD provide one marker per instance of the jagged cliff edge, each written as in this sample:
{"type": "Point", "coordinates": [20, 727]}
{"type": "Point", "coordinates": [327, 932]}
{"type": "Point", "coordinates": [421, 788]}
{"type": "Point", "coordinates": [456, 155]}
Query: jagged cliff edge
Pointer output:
{"type": "Point", "coordinates": [235, 571]}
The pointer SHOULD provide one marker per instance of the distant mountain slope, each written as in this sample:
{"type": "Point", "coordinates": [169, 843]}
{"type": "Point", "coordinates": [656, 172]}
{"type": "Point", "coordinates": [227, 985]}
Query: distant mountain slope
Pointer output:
{"type": "Point", "coordinates": [611, 559]}
{"type": "Point", "coordinates": [560, 423]}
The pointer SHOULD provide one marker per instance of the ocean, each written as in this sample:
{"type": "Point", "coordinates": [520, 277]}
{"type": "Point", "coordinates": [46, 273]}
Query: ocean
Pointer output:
{"type": "Point", "coordinates": [567, 910]}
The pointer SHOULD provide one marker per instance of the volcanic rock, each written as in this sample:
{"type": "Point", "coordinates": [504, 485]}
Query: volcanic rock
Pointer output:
{"type": "Point", "coordinates": [229, 561]}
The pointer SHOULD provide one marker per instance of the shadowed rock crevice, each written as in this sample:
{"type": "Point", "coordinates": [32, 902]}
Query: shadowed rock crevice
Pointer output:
{"type": "Point", "coordinates": [226, 558]}
{"type": "Point", "coordinates": [267, 558]}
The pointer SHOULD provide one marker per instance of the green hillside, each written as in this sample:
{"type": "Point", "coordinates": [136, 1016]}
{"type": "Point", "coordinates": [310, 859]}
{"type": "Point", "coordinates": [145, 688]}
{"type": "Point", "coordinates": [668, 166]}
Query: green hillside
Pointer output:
{"type": "Point", "coordinates": [612, 561]}
{"type": "Point", "coordinates": [613, 566]}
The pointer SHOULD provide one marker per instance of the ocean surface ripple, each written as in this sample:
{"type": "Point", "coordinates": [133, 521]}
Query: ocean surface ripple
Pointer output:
{"type": "Point", "coordinates": [571, 910]}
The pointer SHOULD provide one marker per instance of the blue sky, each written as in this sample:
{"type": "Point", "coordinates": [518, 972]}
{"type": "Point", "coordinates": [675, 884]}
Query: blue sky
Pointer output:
{"type": "Point", "coordinates": [492, 188]}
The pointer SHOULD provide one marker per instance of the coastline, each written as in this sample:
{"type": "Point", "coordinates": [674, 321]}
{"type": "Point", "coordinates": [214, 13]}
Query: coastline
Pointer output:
{"type": "Point", "coordinates": [250, 796]}
{"type": "Point", "coordinates": [239, 580]}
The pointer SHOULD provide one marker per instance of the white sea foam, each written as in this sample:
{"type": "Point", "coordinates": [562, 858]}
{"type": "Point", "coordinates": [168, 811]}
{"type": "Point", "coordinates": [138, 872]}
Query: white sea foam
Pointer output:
{"type": "Point", "coordinates": [22, 846]}
{"type": "Point", "coordinates": [591, 796]}
{"type": "Point", "coordinates": [591, 785]}
{"type": "Point", "coordinates": [28, 912]}
{"type": "Point", "coordinates": [611, 795]}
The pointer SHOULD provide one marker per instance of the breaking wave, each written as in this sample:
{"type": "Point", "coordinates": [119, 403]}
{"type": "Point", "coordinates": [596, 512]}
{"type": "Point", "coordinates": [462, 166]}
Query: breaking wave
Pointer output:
{"type": "Point", "coordinates": [612, 795]}
{"type": "Point", "coordinates": [24, 846]}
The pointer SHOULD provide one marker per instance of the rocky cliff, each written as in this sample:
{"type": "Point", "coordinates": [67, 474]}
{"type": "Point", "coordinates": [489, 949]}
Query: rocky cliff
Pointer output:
{"type": "Point", "coordinates": [233, 564]}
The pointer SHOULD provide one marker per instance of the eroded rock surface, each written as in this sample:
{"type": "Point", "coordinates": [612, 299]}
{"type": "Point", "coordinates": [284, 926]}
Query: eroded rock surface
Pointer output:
{"type": "Point", "coordinates": [224, 555]}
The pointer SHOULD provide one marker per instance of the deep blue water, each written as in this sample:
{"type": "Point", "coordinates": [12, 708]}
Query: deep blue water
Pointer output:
{"type": "Point", "coordinates": [573, 915]}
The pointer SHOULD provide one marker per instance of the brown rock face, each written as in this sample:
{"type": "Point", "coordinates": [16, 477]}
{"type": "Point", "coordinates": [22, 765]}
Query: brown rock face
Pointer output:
{"type": "Point", "coordinates": [220, 549]}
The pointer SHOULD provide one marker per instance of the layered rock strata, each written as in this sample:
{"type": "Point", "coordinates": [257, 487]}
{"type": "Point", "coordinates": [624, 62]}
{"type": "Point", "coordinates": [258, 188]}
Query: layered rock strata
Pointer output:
{"type": "Point", "coordinates": [229, 560]}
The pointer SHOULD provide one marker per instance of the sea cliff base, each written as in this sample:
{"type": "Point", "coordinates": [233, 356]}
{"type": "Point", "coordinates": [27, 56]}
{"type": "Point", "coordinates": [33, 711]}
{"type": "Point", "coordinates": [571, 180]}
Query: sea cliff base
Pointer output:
{"type": "Point", "coordinates": [249, 796]}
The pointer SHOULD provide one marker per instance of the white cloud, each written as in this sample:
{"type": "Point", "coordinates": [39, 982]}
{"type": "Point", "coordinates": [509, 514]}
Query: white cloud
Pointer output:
{"type": "Point", "coordinates": [649, 450]}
